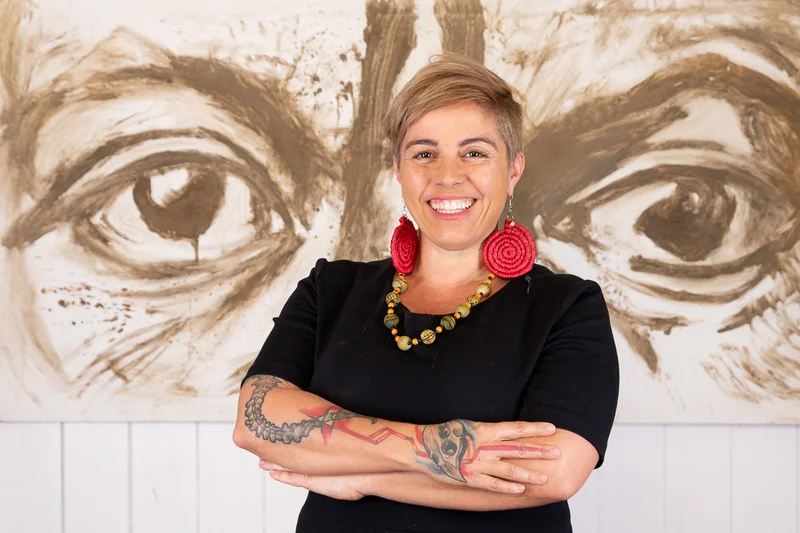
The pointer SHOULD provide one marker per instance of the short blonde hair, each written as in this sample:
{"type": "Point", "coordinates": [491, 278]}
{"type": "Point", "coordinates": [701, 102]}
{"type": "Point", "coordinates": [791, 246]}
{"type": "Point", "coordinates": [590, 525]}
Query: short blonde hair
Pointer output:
{"type": "Point", "coordinates": [452, 79]}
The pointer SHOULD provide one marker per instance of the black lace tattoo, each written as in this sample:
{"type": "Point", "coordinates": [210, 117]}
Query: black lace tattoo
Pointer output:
{"type": "Point", "coordinates": [286, 433]}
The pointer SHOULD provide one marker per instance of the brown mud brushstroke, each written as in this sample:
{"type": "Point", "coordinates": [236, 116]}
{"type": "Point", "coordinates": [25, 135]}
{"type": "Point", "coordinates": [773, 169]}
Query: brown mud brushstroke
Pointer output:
{"type": "Point", "coordinates": [567, 154]}
{"type": "Point", "coordinates": [389, 37]}
{"type": "Point", "coordinates": [462, 26]}
{"type": "Point", "coordinates": [261, 105]}
{"type": "Point", "coordinates": [18, 53]}
{"type": "Point", "coordinates": [186, 215]}
{"type": "Point", "coordinates": [596, 138]}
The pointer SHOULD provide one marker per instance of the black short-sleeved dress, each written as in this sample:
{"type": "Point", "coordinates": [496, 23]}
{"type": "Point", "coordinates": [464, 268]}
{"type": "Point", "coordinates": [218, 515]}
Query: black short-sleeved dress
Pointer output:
{"type": "Point", "coordinates": [540, 349]}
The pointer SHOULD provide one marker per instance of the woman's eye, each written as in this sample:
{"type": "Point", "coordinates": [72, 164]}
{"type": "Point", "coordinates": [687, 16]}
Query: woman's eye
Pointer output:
{"type": "Point", "coordinates": [423, 155]}
{"type": "Point", "coordinates": [474, 153]}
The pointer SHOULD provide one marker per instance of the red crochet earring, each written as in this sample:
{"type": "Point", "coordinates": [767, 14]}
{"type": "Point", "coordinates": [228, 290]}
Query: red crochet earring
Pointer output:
{"type": "Point", "coordinates": [404, 245]}
{"type": "Point", "coordinates": [509, 252]}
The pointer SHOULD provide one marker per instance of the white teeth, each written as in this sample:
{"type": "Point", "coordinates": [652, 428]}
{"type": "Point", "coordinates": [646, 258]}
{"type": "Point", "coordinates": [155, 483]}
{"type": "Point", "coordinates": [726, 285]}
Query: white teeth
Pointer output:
{"type": "Point", "coordinates": [451, 207]}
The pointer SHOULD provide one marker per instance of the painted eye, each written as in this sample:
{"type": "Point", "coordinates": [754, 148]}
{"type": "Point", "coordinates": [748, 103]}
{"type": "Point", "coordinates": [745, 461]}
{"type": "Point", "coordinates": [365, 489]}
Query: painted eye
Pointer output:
{"type": "Point", "coordinates": [681, 223]}
{"type": "Point", "coordinates": [179, 204]}
{"type": "Point", "coordinates": [670, 228]}
{"type": "Point", "coordinates": [675, 217]}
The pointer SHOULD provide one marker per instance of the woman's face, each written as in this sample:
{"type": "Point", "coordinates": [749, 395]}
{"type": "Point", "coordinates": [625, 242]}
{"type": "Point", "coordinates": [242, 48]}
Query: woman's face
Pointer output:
{"type": "Point", "coordinates": [455, 175]}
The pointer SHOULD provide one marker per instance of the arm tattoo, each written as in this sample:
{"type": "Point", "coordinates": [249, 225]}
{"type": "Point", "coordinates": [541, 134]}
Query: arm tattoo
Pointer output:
{"type": "Point", "coordinates": [446, 444]}
{"type": "Point", "coordinates": [286, 433]}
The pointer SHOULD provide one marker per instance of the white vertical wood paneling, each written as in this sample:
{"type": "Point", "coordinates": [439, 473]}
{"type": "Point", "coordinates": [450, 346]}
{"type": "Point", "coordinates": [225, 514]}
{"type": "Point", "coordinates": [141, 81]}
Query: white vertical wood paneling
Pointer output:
{"type": "Point", "coordinates": [96, 478]}
{"type": "Point", "coordinates": [585, 506]}
{"type": "Point", "coordinates": [230, 483]}
{"type": "Point", "coordinates": [631, 482]}
{"type": "Point", "coordinates": [30, 478]}
{"type": "Point", "coordinates": [764, 479]}
{"type": "Point", "coordinates": [282, 504]}
{"type": "Point", "coordinates": [698, 479]}
{"type": "Point", "coordinates": [656, 479]}
{"type": "Point", "coordinates": [164, 478]}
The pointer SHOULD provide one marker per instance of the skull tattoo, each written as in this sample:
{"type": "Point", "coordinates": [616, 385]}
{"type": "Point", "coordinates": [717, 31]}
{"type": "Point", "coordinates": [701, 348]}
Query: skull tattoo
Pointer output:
{"type": "Point", "coordinates": [446, 445]}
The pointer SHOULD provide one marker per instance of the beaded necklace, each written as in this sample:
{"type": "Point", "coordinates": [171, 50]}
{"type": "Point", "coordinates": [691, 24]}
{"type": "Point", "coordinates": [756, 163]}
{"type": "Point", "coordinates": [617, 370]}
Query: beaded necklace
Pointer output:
{"type": "Point", "coordinates": [448, 322]}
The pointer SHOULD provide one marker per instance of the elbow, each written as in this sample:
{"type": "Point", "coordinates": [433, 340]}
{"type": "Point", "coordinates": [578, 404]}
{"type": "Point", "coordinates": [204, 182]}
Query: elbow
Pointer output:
{"type": "Point", "coordinates": [241, 437]}
{"type": "Point", "coordinates": [565, 487]}
{"type": "Point", "coordinates": [247, 440]}
{"type": "Point", "coordinates": [560, 488]}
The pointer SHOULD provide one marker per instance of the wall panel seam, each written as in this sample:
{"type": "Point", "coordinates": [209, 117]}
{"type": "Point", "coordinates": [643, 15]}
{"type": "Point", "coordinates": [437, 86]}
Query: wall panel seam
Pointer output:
{"type": "Point", "coordinates": [62, 496]}
{"type": "Point", "coordinates": [130, 476]}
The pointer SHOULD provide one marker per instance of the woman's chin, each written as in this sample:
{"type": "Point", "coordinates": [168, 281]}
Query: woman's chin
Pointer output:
{"type": "Point", "coordinates": [454, 240]}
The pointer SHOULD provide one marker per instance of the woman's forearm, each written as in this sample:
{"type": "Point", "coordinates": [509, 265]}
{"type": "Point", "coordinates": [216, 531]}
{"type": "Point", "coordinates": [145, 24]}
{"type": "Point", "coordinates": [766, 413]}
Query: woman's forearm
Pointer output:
{"type": "Point", "coordinates": [419, 489]}
{"type": "Point", "coordinates": [305, 433]}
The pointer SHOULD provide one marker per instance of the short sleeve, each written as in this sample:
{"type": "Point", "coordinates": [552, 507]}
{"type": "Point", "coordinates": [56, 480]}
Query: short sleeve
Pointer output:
{"type": "Point", "coordinates": [575, 383]}
{"type": "Point", "coordinates": [288, 351]}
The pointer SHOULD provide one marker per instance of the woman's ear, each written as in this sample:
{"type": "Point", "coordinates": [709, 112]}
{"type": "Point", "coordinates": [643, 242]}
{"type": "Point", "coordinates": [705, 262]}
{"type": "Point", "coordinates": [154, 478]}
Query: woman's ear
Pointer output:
{"type": "Point", "coordinates": [517, 168]}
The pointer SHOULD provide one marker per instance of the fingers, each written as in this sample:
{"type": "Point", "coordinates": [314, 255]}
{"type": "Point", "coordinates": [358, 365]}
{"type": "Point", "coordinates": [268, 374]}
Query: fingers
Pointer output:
{"type": "Point", "coordinates": [290, 478]}
{"type": "Point", "coordinates": [518, 429]}
{"type": "Point", "coordinates": [508, 472]}
{"type": "Point", "coordinates": [522, 450]}
{"type": "Point", "coordinates": [264, 465]}
{"type": "Point", "coordinates": [496, 484]}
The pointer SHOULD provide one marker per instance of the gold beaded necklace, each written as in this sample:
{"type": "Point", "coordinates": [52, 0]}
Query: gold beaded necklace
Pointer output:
{"type": "Point", "coordinates": [448, 322]}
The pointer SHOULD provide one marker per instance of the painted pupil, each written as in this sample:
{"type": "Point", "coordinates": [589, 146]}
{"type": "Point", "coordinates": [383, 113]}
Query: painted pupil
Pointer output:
{"type": "Point", "coordinates": [188, 214]}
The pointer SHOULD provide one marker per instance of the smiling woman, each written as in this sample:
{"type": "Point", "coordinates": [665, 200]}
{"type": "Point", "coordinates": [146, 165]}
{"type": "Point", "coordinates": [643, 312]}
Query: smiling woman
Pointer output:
{"type": "Point", "coordinates": [511, 370]}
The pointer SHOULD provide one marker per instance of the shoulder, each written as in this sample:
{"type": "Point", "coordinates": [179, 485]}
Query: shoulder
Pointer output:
{"type": "Point", "coordinates": [344, 273]}
{"type": "Point", "coordinates": [558, 292]}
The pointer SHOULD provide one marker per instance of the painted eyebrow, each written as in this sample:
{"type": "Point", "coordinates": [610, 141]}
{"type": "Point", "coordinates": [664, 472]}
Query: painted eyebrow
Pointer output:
{"type": "Point", "coordinates": [431, 142]}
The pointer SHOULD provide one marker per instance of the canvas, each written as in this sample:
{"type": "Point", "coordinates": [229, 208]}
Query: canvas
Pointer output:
{"type": "Point", "coordinates": [170, 170]}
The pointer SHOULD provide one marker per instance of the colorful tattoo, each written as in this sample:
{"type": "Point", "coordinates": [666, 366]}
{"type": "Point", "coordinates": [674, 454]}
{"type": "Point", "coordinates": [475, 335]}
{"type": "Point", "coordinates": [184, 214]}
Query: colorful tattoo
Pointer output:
{"type": "Point", "coordinates": [287, 433]}
{"type": "Point", "coordinates": [445, 449]}
{"type": "Point", "coordinates": [446, 444]}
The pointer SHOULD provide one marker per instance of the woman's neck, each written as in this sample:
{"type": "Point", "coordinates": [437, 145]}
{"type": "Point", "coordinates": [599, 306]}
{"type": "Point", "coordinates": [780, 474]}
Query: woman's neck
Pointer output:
{"type": "Point", "coordinates": [445, 268]}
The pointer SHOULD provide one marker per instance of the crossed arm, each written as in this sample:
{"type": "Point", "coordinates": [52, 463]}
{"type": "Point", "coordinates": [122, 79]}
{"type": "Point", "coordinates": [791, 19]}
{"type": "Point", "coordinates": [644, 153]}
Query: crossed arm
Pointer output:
{"type": "Point", "coordinates": [457, 464]}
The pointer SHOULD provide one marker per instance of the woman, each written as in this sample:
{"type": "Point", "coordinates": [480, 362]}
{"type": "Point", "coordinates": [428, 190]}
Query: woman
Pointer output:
{"type": "Point", "coordinates": [456, 376]}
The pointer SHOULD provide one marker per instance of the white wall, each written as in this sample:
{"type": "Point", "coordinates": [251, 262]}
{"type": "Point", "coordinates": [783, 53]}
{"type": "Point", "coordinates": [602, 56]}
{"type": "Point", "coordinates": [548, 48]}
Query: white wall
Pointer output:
{"type": "Point", "coordinates": [151, 478]}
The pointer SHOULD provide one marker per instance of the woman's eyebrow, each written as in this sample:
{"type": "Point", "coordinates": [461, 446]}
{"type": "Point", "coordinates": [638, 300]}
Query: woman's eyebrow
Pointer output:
{"type": "Point", "coordinates": [474, 140]}
{"type": "Point", "coordinates": [420, 142]}
{"type": "Point", "coordinates": [431, 142]}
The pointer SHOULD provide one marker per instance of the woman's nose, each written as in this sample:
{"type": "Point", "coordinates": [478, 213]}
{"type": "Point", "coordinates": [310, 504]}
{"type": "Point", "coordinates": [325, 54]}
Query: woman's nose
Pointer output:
{"type": "Point", "coordinates": [449, 173]}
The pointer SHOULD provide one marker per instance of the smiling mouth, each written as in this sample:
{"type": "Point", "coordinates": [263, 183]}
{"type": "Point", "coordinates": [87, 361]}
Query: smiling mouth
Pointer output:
{"type": "Point", "coordinates": [451, 207]}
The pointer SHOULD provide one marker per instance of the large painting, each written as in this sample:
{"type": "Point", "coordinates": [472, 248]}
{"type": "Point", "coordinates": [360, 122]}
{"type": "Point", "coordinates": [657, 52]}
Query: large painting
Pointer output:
{"type": "Point", "coordinates": [168, 174]}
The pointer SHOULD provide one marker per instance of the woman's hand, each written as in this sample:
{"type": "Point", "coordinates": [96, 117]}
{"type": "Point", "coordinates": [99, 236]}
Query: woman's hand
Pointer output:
{"type": "Point", "coordinates": [463, 452]}
{"type": "Point", "coordinates": [337, 487]}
